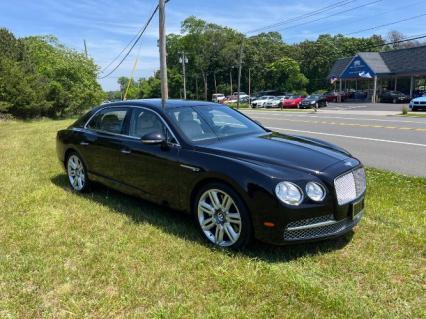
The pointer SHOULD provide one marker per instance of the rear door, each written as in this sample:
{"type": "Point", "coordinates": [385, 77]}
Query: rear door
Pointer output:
{"type": "Point", "coordinates": [104, 141]}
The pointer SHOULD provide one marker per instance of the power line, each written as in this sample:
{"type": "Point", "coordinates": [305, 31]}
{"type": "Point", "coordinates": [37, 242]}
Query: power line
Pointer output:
{"type": "Point", "coordinates": [313, 13]}
{"type": "Point", "coordinates": [382, 13]}
{"type": "Point", "coordinates": [331, 15]}
{"type": "Point", "coordinates": [134, 44]}
{"type": "Point", "coordinates": [387, 24]}
{"type": "Point", "coordinates": [127, 45]}
{"type": "Point", "coordinates": [396, 42]}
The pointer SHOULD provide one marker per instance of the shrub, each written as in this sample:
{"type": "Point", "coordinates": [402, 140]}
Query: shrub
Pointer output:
{"type": "Point", "coordinates": [404, 110]}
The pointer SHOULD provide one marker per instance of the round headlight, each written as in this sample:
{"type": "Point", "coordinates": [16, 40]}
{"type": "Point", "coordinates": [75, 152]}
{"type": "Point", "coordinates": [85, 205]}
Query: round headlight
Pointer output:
{"type": "Point", "coordinates": [315, 191]}
{"type": "Point", "coordinates": [289, 193]}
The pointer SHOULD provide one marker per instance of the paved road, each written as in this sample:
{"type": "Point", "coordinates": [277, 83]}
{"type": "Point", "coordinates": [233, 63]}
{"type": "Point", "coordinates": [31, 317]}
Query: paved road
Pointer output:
{"type": "Point", "coordinates": [388, 142]}
{"type": "Point", "coordinates": [362, 106]}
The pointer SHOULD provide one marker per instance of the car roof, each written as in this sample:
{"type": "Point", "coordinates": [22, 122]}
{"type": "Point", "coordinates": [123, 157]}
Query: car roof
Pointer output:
{"type": "Point", "coordinates": [156, 103]}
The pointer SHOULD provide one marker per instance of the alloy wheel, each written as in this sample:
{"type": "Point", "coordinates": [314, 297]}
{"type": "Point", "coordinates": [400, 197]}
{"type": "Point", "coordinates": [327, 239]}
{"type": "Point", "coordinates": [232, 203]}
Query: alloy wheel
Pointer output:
{"type": "Point", "coordinates": [219, 217]}
{"type": "Point", "coordinates": [76, 173]}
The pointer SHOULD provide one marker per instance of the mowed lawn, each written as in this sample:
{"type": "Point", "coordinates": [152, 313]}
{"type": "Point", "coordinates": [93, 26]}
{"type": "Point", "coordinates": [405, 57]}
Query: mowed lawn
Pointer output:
{"type": "Point", "coordinates": [105, 254]}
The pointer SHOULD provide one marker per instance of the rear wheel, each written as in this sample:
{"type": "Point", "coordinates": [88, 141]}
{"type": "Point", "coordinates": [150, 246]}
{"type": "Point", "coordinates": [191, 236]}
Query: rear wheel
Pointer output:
{"type": "Point", "coordinates": [77, 174]}
{"type": "Point", "coordinates": [222, 217]}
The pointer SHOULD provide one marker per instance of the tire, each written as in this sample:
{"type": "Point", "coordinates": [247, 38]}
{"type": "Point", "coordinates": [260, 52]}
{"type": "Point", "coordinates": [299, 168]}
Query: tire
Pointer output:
{"type": "Point", "coordinates": [77, 173]}
{"type": "Point", "coordinates": [394, 101]}
{"type": "Point", "coordinates": [222, 217]}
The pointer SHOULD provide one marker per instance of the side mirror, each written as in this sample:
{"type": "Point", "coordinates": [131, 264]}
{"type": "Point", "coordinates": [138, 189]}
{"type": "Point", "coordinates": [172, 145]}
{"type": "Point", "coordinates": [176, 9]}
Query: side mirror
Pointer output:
{"type": "Point", "coordinates": [153, 138]}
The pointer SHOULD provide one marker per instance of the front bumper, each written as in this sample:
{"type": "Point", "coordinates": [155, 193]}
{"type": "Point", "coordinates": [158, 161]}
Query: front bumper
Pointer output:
{"type": "Point", "coordinates": [306, 106]}
{"type": "Point", "coordinates": [280, 224]}
{"type": "Point", "coordinates": [319, 228]}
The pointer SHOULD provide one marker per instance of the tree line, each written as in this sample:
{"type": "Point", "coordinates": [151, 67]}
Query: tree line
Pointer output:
{"type": "Point", "coordinates": [41, 77]}
{"type": "Point", "coordinates": [213, 53]}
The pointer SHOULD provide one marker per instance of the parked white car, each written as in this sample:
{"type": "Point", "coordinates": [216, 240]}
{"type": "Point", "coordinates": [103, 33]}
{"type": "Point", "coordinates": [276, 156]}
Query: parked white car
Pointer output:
{"type": "Point", "coordinates": [260, 102]}
{"type": "Point", "coordinates": [275, 102]}
{"type": "Point", "coordinates": [218, 97]}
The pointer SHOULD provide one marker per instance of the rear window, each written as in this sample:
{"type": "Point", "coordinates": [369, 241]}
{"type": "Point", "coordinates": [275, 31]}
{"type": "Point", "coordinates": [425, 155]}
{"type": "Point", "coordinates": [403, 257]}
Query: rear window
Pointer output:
{"type": "Point", "coordinates": [109, 120]}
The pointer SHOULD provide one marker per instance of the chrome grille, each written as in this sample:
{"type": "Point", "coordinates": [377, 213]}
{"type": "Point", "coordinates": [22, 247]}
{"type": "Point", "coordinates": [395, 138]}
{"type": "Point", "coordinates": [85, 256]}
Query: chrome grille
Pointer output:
{"type": "Point", "coordinates": [350, 186]}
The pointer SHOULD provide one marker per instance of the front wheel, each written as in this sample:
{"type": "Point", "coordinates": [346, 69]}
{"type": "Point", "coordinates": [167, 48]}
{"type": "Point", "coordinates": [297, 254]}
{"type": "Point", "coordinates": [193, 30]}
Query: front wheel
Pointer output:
{"type": "Point", "coordinates": [222, 217]}
{"type": "Point", "coordinates": [77, 174]}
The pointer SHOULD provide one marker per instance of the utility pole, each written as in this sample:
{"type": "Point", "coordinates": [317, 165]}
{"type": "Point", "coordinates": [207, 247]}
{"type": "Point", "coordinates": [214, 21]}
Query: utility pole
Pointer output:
{"type": "Point", "coordinates": [240, 64]}
{"type": "Point", "coordinates": [249, 84]}
{"type": "Point", "coordinates": [184, 60]}
{"type": "Point", "coordinates": [196, 86]}
{"type": "Point", "coordinates": [85, 48]}
{"type": "Point", "coordinates": [163, 57]}
{"type": "Point", "coordinates": [230, 78]}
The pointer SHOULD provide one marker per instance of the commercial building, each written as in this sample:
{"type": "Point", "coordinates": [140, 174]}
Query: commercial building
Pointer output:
{"type": "Point", "coordinates": [375, 72]}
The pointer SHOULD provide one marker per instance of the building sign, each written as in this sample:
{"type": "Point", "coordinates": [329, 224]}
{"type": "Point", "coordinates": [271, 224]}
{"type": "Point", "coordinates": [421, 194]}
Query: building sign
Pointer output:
{"type": "Point", "coordinates": [357, 69]}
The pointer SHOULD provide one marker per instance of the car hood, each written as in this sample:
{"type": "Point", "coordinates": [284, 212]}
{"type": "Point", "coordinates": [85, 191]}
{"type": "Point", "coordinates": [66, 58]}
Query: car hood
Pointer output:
{"type": "Point", "coordinates": [310, 99]}
{"type": "Point", "coordinates": [280, 150]}
{"type": "Point", "coordinates": [420, 99]}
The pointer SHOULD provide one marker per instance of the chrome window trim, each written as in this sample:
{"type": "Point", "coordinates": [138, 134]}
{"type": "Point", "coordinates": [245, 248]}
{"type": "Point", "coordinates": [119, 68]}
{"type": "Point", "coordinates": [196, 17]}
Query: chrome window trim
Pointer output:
{"type": "Point", "coordinates": [130, 136]}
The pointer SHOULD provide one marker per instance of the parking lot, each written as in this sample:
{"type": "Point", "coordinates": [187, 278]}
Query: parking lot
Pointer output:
{"type": "Point", "coordinates": [368, 131]}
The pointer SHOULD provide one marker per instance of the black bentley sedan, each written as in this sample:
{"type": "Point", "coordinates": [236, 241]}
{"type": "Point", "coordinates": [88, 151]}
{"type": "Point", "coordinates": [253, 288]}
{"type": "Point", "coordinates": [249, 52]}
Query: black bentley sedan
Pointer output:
{"type": "Point", "coordinates": [239, 180]}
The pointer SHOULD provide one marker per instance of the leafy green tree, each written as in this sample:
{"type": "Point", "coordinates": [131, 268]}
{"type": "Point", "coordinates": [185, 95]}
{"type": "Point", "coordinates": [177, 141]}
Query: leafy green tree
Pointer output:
{"type": "Point", "coordinates": [285, 75]}
{"type": "Point", "coordinates": [40, 77]}
{"type": "Point", "coordinates": [71, 77]}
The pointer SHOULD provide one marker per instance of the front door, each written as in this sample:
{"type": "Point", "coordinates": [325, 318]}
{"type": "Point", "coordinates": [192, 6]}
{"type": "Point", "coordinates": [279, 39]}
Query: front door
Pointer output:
{"type": "Point", "coordinates": [154, 169]}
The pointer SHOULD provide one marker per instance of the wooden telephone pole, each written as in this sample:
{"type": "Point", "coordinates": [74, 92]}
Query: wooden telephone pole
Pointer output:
{"type": "Point", "coordinates": [163, 54]}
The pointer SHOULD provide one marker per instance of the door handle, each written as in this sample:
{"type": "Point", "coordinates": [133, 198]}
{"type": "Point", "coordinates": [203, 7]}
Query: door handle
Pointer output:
{"type": "Point", "coordinates": [84, 143]}
{"type": "Point", "coordinates": [125, 151]}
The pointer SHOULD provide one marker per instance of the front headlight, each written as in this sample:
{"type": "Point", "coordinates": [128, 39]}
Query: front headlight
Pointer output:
{"type": "Point", "coordinates": [315, 191]}
{"type": "Point", "coordinates": [289, 193]}
{"type": "Point", "coordinates": [313, 102]}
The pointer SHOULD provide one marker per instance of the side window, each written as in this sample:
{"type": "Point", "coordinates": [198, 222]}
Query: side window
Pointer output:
{"type": "Point", "coordinates": [109, 120]}
{"type": "Point", "coordinates": [145, 122]}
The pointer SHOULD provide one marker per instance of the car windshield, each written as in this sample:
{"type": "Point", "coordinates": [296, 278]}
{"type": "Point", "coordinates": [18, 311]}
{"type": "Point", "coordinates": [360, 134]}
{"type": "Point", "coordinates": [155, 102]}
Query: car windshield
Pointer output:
{"type": "Point", "coordinates": [201, 123]}
{"type": "Point", "coordinates": [293, 97]}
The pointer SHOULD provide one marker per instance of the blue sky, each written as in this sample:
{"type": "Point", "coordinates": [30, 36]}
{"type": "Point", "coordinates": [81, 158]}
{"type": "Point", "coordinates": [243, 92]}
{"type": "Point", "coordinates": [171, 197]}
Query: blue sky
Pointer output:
{"type": "Point", "coordinates": [108, 25]}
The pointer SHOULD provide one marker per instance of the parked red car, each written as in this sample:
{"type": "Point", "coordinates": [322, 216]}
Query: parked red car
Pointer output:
{"type": "Point", "coordinates": [293, 101]}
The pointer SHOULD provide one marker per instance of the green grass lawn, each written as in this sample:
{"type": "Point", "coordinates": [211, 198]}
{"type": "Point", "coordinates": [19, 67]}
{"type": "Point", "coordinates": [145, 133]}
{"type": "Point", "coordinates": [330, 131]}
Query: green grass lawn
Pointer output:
{"type": "Point", "coordinates": [105, 254]}
{"type": "Point", "coordinates": [416, 114]}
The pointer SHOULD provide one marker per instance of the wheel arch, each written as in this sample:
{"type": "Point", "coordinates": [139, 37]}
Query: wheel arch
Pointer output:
{"type": "Point", "coordinates": [215, 179]}
{"type": "Point", "coordinates": [68, 152]}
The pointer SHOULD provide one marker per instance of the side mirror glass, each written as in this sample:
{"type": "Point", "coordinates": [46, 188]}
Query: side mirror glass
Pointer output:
{"type": "Point", "coordinates": [153, 138]}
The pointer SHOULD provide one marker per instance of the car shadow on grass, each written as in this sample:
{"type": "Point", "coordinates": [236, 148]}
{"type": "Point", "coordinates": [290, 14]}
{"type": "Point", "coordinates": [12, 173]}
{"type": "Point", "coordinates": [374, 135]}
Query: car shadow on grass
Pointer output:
{"type": "Point", "coordinates": [184, 226]}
